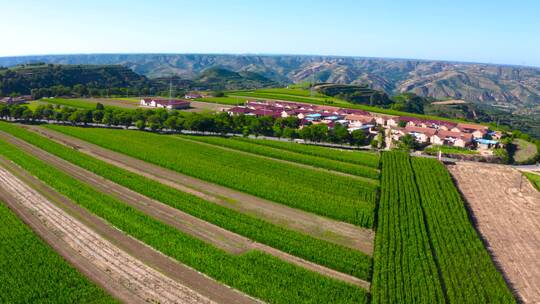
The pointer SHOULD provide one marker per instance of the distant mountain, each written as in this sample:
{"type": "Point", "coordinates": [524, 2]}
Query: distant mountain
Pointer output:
{"type": "Point", "coordinates": [512, 87]}
{"type": "Point", "coordinates": [217, 78]}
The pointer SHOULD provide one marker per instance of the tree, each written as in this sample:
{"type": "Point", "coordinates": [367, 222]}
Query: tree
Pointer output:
{"type": "Point", "coordinates": [358, 138]}
{"type": "Point", "coordinates": [170, 123]}
{"type": "Point", "coordinates": [407, 142]}
{"type": "Point", "coordinates": [140, 124]}
{"type": "Point", "coordinates": [154, 122]}
{"type": "Point", "coordinates": [100, 106]}
{"type": "Point", "coordinates": [290, 133]}
{"type": "Point", "coordinates": [339, 134]}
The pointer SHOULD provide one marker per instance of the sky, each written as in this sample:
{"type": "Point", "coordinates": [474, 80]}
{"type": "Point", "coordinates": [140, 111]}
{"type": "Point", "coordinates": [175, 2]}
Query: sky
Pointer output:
{"type": "Point", "coordinates": [496, 31]}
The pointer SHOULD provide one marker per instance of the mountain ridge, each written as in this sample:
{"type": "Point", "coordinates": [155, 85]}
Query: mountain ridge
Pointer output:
{"type": "Point", "coordinates": [516, 87]}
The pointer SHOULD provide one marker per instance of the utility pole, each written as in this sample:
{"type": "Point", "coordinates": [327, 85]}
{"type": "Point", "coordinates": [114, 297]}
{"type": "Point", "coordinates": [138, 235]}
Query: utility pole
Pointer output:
{"type": "Point", "coordinates": [170, 90]}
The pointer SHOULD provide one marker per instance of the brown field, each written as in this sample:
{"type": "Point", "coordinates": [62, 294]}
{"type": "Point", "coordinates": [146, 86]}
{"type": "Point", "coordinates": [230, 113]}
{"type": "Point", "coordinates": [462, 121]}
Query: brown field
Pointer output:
{"type": "Point", "coordinates": [506, 210]}
{"type": "Point", "coordinates": [317, 226]}
{"type": "Point", "coordinates": [124, 276]}
{"type": "Point", "coordinates": [217, 236]}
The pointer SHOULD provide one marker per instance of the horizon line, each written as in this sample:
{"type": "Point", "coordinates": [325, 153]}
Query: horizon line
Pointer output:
{"type": "Point", "coordinates": [272, 55]}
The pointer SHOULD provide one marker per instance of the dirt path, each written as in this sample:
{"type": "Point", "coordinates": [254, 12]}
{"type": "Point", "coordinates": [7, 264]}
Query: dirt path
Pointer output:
{"type": "Point", "coordinates": [317, 226]}
{"type": "Point", "coordinates": [217, 236]}
{"type": "Point", "coordinates": [506, 209]}
{"type": "Point", "coordinates": [139, 283]}
{"type": "Point", "coordinates": [365, 179]}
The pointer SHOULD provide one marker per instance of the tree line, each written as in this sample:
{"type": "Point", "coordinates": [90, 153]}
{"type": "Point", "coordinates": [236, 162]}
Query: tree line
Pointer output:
{"type": "Point", "coordinates": [158, 120]}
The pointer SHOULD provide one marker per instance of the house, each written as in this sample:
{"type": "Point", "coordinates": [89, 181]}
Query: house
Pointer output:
{"type": "Point", "coordinates": [193, 95]}
{"type": "Point", "coordinates": [392, 122]}
{"type": "Point", "coordinates": [422, 135]}
{"type": "Point", "coordinates": [365, 128]}
{"type": "Point", "coordinates": [382, 119]}
{"type": "Point", "coordinates": [359, 120]}
{"type": "Point", "coordinates": [486, 144]}
{"type": "Point", "coordinates": [169, 104]}
{"type": "Point", "coordinates": [12, 100]}
{"type": "Point", "coordinates": [450, 138]}
{"type": "Point", "coordinates": [238, 110]}
{"type": "Point", "coordinates": [478, 131]}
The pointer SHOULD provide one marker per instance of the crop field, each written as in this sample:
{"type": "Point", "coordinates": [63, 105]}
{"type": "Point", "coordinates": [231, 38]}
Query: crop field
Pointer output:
{"type": "Point", "coordinates": [125, 277]}
{"type": "Point", "coordinates": [466, 267]}
{"type": "Point", "coordinates": [38, 272]}
{"type": "Point", "coordinates": [333, 256]}
{"type": "Point", "coordinates": [74, 103]}
{"type": "Point", "coordinates": [367, 159]}
{"type": "Point", "coordinates": [422, 212]}
{"type": "Point", "coordinates": [534, 179]}
{"type": "Point", "coordinates": [233, 101]}
{"type": "Point", "coordinates": [404, 267]}
{"type": "Point", "coordinates": [254, 272]}
{"type": "Point", "coordinates": [206, 219]}
{"type": "Point", "coordinates": [248, 146]}
{"type": "Point", "coordinates": [331, 195]}
{"type": "Point", "coordinates": [265, 94]}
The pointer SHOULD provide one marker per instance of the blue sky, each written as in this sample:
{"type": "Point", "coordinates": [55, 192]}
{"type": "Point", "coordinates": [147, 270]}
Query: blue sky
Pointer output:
{"type": "Point", "coordinates": [475, 30]}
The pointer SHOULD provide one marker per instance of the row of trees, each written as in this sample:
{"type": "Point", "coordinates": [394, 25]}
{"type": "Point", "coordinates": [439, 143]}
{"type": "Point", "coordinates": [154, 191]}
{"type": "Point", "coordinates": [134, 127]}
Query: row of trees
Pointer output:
{"type": "Point", "coordinates": [161, 119]}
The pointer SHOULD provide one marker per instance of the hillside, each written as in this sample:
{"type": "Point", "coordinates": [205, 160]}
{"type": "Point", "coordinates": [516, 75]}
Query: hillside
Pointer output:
{"type": "Point", "coordinates": [60, 80]}
{"type": "Point", "coordinates": [216, 78]}
{"type": "Point", "coordinates": [510, 86]}
{"type": "Point", "coordinates": [23, 79]}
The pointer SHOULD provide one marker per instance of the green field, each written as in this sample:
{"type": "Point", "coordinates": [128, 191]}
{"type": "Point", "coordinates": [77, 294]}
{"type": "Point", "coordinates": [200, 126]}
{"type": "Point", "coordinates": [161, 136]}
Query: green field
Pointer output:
{"type": "Point", "coordinates": [251, 147]}
{"type": "Point", "coordinates": [333, 256]}
{"type": "Point", "coordinates": [74, 103]}
{"type": "Point", "coordinates": [223, 100]}
{"type": "Point", "coordinates": [426, 249]}
{"type": "Point", "coordinates": [466, 268]}
{"type": "Point", "coordinates": [338, 197]}
{"type": "Point", "coordinates": [254, 273]}
{"type": "Point", "coordinates": [353, 157]}
{"type": "Point", "coordinates": [404, 269]}
{"type": "Point", "coordinates": [32, 272]}
{"type": "Point", "coordinates": [534, 178]}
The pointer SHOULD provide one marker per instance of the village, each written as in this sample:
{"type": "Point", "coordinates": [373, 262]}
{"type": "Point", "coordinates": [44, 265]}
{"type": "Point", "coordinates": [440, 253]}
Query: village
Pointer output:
{"type": "Point", "coordinates": [424, 131]}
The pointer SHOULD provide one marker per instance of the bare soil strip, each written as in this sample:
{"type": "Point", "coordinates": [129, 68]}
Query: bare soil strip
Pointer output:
{"type": "Point", "coordinates": [183, 278]}
{"type": "Point", "coordinates": [217, 236]}
{"type": "Point", "coordinates": [145, 283]}
{"type": "Point", "coordinates": [506, 209]}
{"type": "Point", "coordinates": [317, 226]}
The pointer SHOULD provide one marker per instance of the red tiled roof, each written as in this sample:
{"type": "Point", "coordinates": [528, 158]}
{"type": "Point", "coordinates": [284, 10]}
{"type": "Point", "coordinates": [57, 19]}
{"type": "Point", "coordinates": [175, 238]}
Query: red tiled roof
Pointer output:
{"type": "Point", "coordinates": [239, 110]}
{"type": "Point", "coordinates": [463, 126]}
{"type": "Point", "coordinates": [427, 131]}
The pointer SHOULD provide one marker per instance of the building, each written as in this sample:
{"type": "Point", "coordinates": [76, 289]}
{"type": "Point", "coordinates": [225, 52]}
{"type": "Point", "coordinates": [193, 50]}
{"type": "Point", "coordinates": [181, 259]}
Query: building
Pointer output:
{"type": "Point", "coordinates": [478, 131]}
{"type": "Point", "coordinates": [12, 100]}
{"type": "Point", "coordinates": [450, 138]}
{"type": "Point", "coordinates": [165, 103]}
{"type": "Point", "coordinates": [359, 120]}
{"type": "Point", "coordinates": [422, 135]}
{"type": "Point", "coordinates": [192, 95]}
